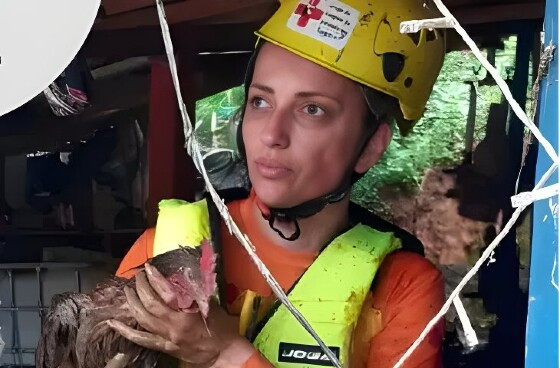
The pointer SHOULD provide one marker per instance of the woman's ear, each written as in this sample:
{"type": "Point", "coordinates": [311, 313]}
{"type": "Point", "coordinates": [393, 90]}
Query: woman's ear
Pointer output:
{"type": "Point", "coordinates": [374, 148]}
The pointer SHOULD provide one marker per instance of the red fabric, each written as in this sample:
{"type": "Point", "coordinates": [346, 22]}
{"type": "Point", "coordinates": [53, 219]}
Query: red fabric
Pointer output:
{"type": "Point", "coordinates": [172, 172]}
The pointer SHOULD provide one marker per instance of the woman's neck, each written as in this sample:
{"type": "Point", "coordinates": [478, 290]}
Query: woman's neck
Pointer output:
{"type": "Point", "coordinates": [316, 231]}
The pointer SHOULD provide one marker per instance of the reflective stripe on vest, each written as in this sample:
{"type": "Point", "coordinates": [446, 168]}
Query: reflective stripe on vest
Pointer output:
{"type": "Point", "coordinates": [181, 223]}
{"type": "Point", "coordinates": [330, 295]}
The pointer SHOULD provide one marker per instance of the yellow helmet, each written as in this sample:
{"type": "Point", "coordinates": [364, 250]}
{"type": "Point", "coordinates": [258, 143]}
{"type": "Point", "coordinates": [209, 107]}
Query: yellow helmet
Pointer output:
{"type": "Point", "coordinates": [361, 40]}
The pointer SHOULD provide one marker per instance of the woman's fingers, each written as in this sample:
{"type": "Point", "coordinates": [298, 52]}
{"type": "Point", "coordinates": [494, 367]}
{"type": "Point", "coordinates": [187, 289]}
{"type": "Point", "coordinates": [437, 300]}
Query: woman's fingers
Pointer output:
{"type": "Point", "coordinates": [151, 301]}
{"type": "Point", "coordinates": [141, 315]}
{"type": "Point", "coordinates": [142, 338]}
{"type": "Point", "coordinates": [200, 353]}
{"type": "Point", "coordinates": [120, 360]}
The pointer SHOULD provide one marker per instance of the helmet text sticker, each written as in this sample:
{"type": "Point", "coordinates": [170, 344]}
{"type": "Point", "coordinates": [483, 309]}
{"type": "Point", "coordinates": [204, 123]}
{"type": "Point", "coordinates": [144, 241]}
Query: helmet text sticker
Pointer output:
{"type": "Point", "coordinates": [329, 21]}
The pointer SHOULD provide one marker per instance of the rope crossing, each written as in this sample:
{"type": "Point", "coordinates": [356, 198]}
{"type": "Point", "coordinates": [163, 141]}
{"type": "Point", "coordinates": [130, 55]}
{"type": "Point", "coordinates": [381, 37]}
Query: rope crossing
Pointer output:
{"type": "Point", "coordinates": [529, 198]}
{"type": "Point", "coordinates": [192, 146]}
{"type": "Point", "coordinates": [448, 21]}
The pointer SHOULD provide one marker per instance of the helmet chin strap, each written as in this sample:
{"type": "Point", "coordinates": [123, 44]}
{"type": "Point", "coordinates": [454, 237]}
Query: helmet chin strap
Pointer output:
{"type": "Point", "coordinates": [289, 216]}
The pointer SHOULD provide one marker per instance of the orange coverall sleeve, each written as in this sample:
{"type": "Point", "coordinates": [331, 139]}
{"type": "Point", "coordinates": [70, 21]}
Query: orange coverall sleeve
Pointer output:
{"type": "Point", "coordinates": [410, 292]}
{"type": "Point", "coordinates": [257, 361]}
{"type": "Point", "coordinates": [140, 252]}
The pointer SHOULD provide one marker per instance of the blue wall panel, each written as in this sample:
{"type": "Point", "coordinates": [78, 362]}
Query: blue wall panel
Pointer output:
{"type": "Point", "coordinates": [542, 325]}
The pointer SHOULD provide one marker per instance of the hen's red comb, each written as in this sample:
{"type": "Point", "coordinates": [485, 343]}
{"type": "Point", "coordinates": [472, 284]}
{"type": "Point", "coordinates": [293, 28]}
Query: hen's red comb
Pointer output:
{"type": "Point", "coordinates": [208, 266]}
{"type": "Point", "coordinates": [207, 258]}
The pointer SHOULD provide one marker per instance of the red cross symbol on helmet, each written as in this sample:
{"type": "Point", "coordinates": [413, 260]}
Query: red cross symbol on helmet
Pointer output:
{"type": "Point", "coordinates": [308, 11]}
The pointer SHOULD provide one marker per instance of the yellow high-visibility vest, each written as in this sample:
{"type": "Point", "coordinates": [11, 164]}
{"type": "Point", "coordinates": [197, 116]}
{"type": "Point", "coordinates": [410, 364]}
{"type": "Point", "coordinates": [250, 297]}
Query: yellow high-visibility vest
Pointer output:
{"type": "Point", "coordinates": [330, 294]}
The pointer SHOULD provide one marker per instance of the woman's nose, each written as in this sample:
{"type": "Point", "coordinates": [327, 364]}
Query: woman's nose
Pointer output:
{"type": "Point", "coordinates": [275, 133]}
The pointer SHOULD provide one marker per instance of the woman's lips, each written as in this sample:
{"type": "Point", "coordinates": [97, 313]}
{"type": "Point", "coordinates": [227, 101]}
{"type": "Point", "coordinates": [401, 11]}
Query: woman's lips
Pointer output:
{"type": "Point", "coordinates": [271, 169]}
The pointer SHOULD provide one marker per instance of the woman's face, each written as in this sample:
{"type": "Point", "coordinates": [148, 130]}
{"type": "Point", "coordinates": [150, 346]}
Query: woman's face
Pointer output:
{"type": "Point", "coordinates": [303, 128]}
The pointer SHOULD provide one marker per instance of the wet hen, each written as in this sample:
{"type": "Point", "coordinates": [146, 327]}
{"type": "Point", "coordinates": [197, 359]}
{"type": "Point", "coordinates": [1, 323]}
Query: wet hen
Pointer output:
{"type": "Point", "coordinates": [74, 332]}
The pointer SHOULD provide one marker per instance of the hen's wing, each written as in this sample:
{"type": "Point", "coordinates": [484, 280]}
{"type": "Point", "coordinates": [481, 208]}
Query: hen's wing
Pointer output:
{"type": "Point", "coordinates": [59, 330]}
{"type": "Point", "coordinates": [96, 343]}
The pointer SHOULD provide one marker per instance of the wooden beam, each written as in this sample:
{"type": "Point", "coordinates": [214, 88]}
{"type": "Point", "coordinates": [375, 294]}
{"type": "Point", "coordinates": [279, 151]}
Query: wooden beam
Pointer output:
{"type": "Point", "coordinates": [258, 14]}
{"type": "Point", "coordinates": [229, 26]}
{"type": "Point", "coordinates": [115, 45]}
{"type": "Point", "coordinates": [499, 13]}
{"type": "Point", "coordinates": [58, 133]}
{"type": "Point", "coordinates": [242, 11]}
{"type": "Point", "coordinates": [216, 77]}
{"type": "Point", "coordinates": [489, 34]}
{"type": "Point", "coordinates": [34, 128]}
{"type": "Point", "coordinates": [120, 6]}
{"type": "Point", "coordinates": [180, 12]}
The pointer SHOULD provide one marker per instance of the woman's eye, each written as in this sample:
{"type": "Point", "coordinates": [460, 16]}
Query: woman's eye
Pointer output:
{"type": "Point", "coordinates": [259, 103]}
{"type": "Point", "coordinates": [313, 110]}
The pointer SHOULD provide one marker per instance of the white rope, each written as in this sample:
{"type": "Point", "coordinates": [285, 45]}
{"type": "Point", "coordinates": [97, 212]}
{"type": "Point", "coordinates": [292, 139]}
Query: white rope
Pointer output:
{"type": "Point", "coordinates": [485, 255]}
{"type": "Point", "coordinates": [193, 150]}
{"type": "Point", "coordinates": [534, 195]}
{"type": "Point", "coordinates": [470, 334]}
{"type": "Point", "coordinates": [526, 198]}
{"type": "Point", "coordinates": [499, 81]}
{"type": "Point", "coordinates": [413, 26]}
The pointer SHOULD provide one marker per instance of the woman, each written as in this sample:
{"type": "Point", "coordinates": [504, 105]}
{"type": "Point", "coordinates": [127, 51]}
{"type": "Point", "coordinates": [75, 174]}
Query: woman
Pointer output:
{"type": "Point", "coordinates": [325, 82]}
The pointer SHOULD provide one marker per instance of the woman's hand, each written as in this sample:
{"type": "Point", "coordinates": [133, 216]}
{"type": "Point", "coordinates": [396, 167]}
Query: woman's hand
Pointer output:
{"type": "Point", "coordinates": [186, 336]}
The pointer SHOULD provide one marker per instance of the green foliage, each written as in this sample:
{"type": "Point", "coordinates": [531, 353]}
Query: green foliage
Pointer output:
{"type": "Point", "coordinates": [224, 105]}
{"type": "Point", "coordinates": [439, 137]}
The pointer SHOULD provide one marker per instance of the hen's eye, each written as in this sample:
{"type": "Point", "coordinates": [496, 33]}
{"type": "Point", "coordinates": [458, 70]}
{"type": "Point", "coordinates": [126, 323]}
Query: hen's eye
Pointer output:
{"type": "Point", "coordinates": [190, 275]}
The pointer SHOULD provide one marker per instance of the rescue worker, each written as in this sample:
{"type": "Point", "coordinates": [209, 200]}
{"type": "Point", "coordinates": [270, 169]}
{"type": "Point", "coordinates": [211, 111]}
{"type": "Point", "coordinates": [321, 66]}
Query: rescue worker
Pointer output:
{"type": "Point", "coordinates": [327, 79]}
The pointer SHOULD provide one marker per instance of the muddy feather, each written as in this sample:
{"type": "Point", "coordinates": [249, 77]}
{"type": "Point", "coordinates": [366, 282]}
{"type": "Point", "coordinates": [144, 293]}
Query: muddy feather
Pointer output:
{"type": "Point", "coordinates": [74, 332]}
